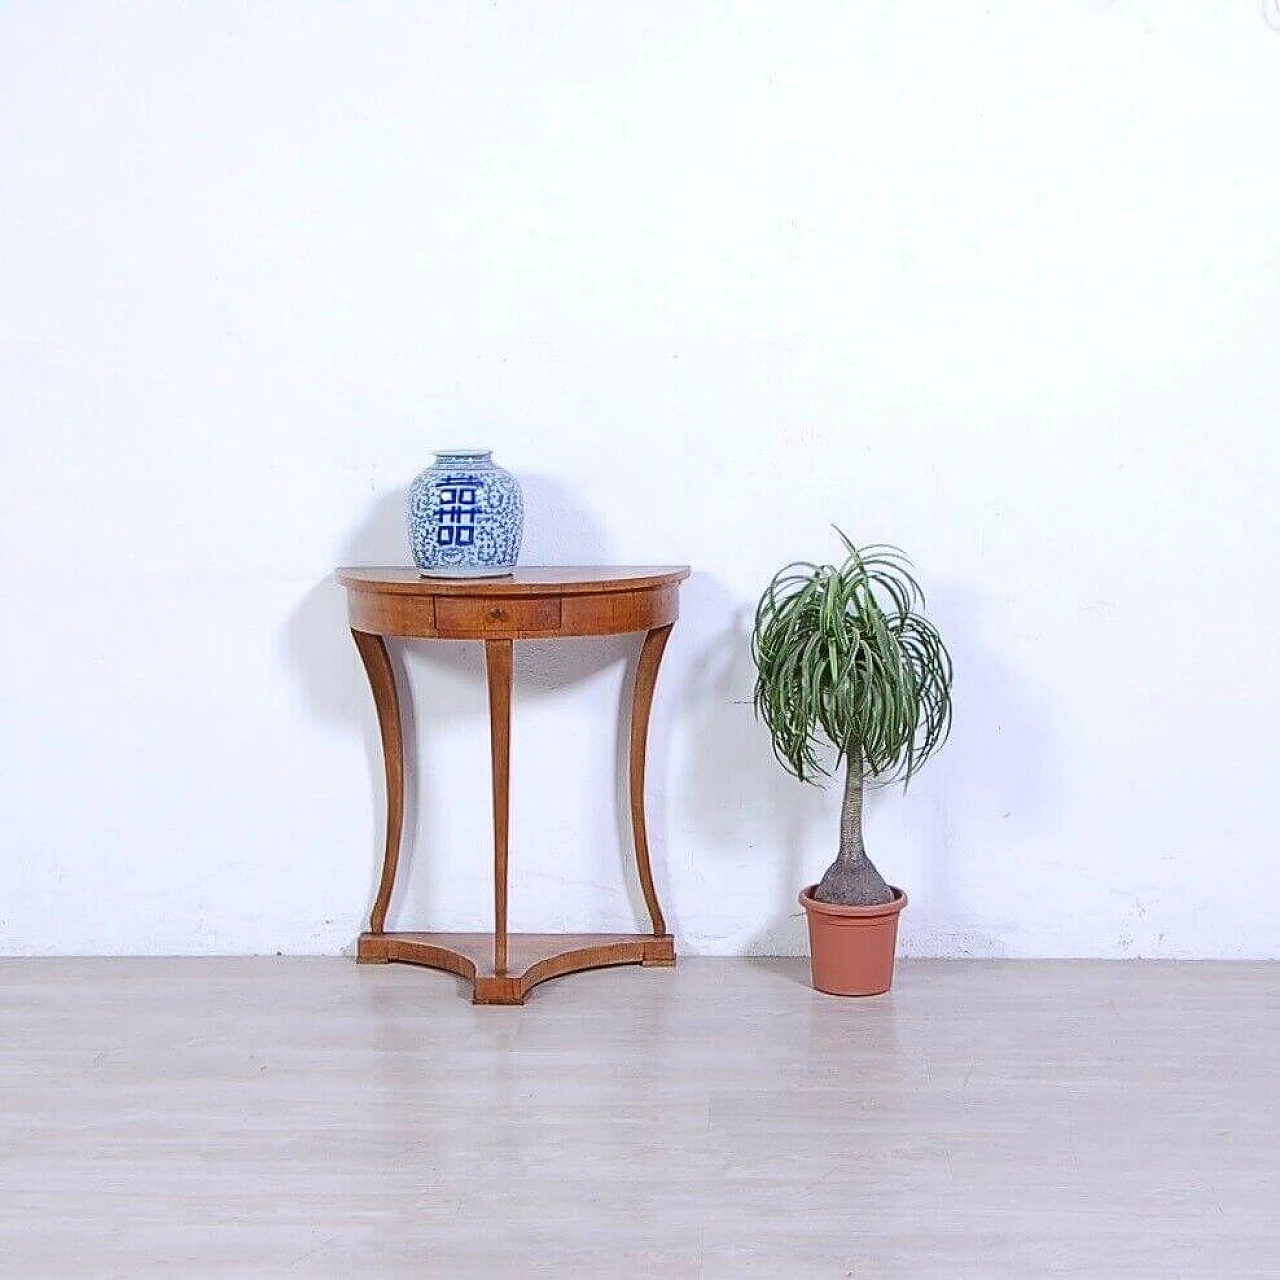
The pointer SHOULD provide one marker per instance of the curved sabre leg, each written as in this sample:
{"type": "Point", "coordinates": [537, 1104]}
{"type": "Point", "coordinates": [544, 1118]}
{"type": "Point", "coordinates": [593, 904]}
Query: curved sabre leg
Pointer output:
{"type": "Point", "coordinates": [373, 652]}
{"type": "Point", "coordinates": [642, 702]}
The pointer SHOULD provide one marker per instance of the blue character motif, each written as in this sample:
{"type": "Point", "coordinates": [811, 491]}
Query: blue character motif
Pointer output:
{"type": "Point", "coordinates": [457, 516]}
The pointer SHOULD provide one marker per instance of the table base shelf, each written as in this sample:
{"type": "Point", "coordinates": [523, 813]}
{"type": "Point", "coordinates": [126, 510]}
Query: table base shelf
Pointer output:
{"type": "Point", "coordinates": [531, 957]}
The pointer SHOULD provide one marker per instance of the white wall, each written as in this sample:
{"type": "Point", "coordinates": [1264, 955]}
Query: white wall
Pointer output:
{"type": "Point", "coordinates": [999, 282]}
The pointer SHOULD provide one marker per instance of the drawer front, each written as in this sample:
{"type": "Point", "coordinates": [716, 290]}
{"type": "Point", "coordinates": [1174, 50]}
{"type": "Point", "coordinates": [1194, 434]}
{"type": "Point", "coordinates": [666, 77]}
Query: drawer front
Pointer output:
{"type": "Point", "coordinates": [495, 616]}
{"type": "Point", "coordinates": [387, 615]}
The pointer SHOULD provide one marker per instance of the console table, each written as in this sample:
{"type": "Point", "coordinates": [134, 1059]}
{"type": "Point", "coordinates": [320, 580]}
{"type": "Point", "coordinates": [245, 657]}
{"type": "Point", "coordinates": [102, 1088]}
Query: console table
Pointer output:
{"type": "Point", "coordinates": [530, 604]}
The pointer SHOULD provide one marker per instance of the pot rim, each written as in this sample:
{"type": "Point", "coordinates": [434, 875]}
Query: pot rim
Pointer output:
{"type": "Point", "coordinates": [810, 903]}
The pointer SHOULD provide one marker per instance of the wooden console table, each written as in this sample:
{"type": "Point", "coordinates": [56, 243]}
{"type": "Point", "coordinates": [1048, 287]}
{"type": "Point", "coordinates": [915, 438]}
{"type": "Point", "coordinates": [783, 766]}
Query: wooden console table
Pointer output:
{"type": "Point", "coordinates": [530, 604]}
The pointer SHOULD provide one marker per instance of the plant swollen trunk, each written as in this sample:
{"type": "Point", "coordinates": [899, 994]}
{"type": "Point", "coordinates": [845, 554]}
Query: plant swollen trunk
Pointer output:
{"type": "Point", "coordinates": [852, 879]}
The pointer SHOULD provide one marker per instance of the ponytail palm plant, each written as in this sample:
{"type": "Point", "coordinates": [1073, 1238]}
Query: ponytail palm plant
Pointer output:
{"type": "Point", "coordinates": [844, 657]}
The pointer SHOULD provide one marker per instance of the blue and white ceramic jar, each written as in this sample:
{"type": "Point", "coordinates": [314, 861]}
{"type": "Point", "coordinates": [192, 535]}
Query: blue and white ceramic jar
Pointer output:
{"type": "Point", "coordinates": [466, 516]}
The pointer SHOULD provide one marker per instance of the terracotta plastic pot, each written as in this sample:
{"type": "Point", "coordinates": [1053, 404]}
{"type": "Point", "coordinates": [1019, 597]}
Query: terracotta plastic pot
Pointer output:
{"type": "Point", "coordinates": [851, 949]}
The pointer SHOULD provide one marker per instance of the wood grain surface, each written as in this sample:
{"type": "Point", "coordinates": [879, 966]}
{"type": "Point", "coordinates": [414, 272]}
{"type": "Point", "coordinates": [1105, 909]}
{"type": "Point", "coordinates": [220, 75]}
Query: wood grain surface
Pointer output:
{"type": "Point", "coordinates": [534, 581]}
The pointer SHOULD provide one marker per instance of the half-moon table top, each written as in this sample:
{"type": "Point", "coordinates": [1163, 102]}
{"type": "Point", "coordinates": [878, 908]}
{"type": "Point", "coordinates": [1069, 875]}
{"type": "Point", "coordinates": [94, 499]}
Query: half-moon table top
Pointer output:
{"type": "Point", "coordinates": [536, 580]}
{"type": "Point", "coordinates": [529, 604]}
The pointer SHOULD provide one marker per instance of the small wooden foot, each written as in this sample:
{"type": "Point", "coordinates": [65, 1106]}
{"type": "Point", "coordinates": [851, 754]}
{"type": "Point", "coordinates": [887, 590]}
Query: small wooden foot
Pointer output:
{"type": "Point", "coordinates": [488, 989]}
{"type": "Point", "coordinates": [371, 948]}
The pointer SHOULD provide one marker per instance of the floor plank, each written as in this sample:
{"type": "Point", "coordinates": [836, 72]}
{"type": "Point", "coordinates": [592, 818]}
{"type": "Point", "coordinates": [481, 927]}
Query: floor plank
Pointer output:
{"type": "Point", "coordinates": [317, 1118]}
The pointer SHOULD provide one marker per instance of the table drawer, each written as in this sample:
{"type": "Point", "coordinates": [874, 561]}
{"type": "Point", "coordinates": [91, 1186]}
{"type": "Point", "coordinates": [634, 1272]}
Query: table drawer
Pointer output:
{"type": "Point", "coordinates": [503, 616]}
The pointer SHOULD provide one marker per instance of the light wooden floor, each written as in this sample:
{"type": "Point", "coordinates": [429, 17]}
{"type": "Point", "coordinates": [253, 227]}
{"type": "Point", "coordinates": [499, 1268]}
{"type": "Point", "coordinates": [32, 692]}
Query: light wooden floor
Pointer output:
{"type": "Point", "coordinates": [314, 1118]}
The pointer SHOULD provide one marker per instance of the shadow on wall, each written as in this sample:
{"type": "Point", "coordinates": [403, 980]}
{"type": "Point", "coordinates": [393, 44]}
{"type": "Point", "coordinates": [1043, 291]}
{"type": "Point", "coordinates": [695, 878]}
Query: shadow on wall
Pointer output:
{"type": "Point", "coordinates": [736, 796]}
{"type": "Point", "coordinates": [990, 792]}
{"type": "Point", "coordinates": [321, 652]}
{"type": "Point", "coordinates": [558, 530]}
